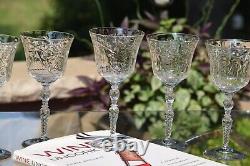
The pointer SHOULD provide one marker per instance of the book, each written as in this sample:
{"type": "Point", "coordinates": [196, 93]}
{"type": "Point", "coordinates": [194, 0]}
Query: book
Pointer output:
{"type": "Point", "coordinates": [76, 150]}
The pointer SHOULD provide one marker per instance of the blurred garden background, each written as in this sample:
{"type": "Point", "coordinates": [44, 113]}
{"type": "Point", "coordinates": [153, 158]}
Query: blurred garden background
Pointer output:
{"type": "Point", "coordinates": [77, 16]}
{"type": "Point", "coordinates": [198, 101]}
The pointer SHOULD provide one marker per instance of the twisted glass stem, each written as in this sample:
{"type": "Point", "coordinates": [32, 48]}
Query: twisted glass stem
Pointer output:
{"type": "Point", "coordinates": [44, 111]}
{"type": "Point", "coordinates": [114, 94]}
{"type": "Point", "coordinates": [169, 115]}
{"type": "Point", "coordinates": [227, 120]}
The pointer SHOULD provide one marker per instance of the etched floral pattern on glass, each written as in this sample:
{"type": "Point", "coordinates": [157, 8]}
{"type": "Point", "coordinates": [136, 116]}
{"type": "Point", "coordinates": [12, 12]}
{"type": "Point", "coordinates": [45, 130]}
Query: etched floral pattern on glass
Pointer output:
{"type": "Point", "coordinates": [115, 56]}
{"type": "Point", "coordinates": [171, 56]}
{"type": "Point", "coordinates": [8, 46]}
{"type": "Point", "coordinates": [229, 69]}
{"type": "Point", "coordinates": [46, 55]}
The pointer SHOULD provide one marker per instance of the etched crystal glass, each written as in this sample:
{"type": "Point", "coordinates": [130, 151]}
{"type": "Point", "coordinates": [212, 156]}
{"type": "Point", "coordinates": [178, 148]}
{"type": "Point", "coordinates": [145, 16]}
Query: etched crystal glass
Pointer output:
{"type": "Point", "coordinates": [115, 55]}
{"type": "Point", "coordinates": [46, 55]}
{"type": "Point", "coordinates": [8, 46]}
{"type": "Point", "coordinates": [229, 68]}
{"type": "Point", "coordinates": [171, 56]}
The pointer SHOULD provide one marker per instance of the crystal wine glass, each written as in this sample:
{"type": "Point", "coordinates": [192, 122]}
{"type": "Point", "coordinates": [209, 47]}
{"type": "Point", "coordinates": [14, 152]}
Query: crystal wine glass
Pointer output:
{"type": "Point", "coordinates": [46, 55]}
{"type": "Point", "coordinates": [171, 56]}
{"type": "Point", "coordinates": [115, 55]}
{"type": "Point", "coordinates": [229, 68]}
{"type": "Point", "coordinates": [8, 46]}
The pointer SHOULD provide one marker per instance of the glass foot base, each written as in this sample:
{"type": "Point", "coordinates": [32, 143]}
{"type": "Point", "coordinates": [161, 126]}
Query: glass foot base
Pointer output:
{"type": "Point", "coordinates": [4, 154]}
{"type": "Point", "coordinates": [224, 154]}
{"type": "Point", "coordinates": [171, 143]}
{"type": "Point", "coordinates": [29, 142]}
{"type": "Point", "coordinates": [109, 143]}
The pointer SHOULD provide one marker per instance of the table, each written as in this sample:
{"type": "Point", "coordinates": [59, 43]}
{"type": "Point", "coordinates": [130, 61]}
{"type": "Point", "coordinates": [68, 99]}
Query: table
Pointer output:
{"type": "Point", "coordinates": [18, 126]}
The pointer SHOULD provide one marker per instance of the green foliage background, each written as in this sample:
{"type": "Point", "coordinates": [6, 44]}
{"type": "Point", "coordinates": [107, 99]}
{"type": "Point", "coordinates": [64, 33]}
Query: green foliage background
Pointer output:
{"type": "Point", "coordinates": [22, 15]}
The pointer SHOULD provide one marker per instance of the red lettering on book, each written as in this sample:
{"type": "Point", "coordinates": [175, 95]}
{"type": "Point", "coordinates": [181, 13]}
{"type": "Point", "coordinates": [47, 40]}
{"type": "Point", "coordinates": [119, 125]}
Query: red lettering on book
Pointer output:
{"type": "Point", "coordinates": [68, 149]}
{"type": "Point", "coordinates": [49, 153]}
{"type": "Point", "coordinates": [61, 150]}
{"type": "Point", "coordinates": [78, 147]}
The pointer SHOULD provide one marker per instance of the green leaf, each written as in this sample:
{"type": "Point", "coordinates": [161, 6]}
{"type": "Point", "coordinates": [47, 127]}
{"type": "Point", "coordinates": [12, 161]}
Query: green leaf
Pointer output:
{"type": "Point", "coordinates": [181, 21]}
{"type": "Point", "coordinates": [149, 114]}
{"type": "Point", "coordinates": [136, 77]}
{"type": "Point", "coordinates": [128, 96]}
{"type": "Point", "coordinates": [200, 94]}
{"type": "Point", "coordinates": [206, 101]}
{"type": "Point", "coordinates": [182, 99]}
{"type": "Point", "coordinates": [139, 114]}
{"type": "Point", "coordinates": [135, 88]}
{"type": "Point", "coordinates": [194, 106]}
{"type": "Point", "coordinates": [156, 106]}
{"type": "Point", "coordinates": [177, 28]}
{"type": "Point", "coordinates": [161, 98]}
{"type": "Point", "coordinates": [163, 89]}
{"type": "Point", "coordinates": [139, 107]}
{"type": "Point", "coordinates": [153, 119]}
{"type": "Point", "coordinates": [210, 88]}
{"type": "Point", "coordinates": [219, 98]}
{"type": "Point", "coordinates": [139, 122]}
{"type": "Point", "coordinates": [195, 79]}
{"type": "Point", "coordinates": [144, 95]}
{"type": "Point", "coordinates": [155, 83]}
{"type": "Point", "coordinates": [196, 114]}
{"type": "Point", "coordinates": [214, 115]}
{"type": "Point", "coordinates": [156, 130]}
{"type": "Point", "coordinates": [167, 23]}
{"type": "Point", "coordinates": [146, 54]}
{"type": "Point", "coordinates": [204, 126]}
{"type": "Point", "coordinates": [242, 126]}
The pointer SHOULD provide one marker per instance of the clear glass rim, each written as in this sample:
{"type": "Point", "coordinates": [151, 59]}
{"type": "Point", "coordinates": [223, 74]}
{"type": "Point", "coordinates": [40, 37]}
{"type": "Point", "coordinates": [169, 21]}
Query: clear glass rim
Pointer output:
{"type": "Point", "coordinates": [210, 43]}
{"type": "Point", "coordinates": [29, 34]}
{"type": "Point", "coordinates": [13, 39]}
{"type": "Point", "coordinates": [153, 36]}
{"type": "Point", "coordinates": [137, 31]}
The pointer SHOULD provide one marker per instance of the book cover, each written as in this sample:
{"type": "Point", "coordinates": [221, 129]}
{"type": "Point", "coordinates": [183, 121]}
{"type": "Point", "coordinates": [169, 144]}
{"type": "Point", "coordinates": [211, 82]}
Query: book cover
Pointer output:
{"type": "Point", "coordinates": [77, 151]}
